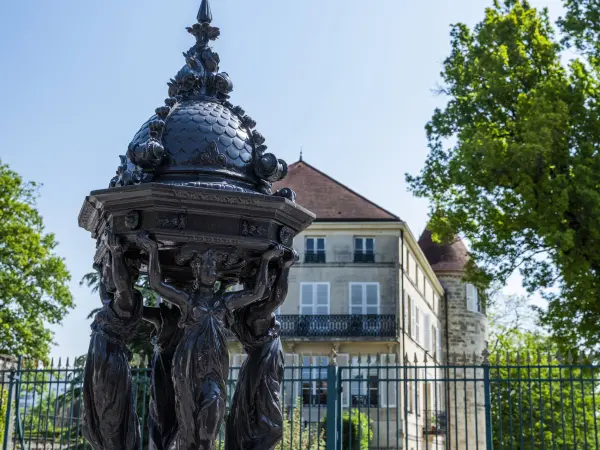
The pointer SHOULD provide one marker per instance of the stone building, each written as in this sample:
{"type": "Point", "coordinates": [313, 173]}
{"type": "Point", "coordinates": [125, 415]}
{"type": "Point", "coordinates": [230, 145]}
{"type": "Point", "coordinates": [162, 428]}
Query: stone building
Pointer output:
{"type": "Point", "coordinates": [366, 290]}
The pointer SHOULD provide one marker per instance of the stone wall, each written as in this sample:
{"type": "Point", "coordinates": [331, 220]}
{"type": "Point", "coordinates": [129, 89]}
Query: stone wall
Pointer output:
{"type": "Point", "coordinates": [467, 335]}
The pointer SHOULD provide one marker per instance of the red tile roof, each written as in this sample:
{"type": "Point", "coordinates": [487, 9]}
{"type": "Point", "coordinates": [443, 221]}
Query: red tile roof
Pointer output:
{"type": "Point", "coordinates": [449, 257]}
{"type": "Point", "coordinates": [329, 199]}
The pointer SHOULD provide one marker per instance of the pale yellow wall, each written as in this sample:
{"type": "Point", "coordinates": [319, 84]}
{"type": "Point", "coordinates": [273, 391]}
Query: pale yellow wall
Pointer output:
{"type": "Point", "coordinates": [340, 270]}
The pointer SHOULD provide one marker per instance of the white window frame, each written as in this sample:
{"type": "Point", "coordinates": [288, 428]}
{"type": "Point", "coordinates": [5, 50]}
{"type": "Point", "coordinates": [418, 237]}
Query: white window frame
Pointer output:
{"type": "Point", "coordinates": [417, 331]}
{"type": "Point", "coordinates": [364, 241]}
{"type": "Point", "coordinates": [369, 367]}
{"type": "Point", "coordinates": [317, 369]}
{"type": "Point", "coordinates": [314, 285]}
{"type": "Point", "coordinates": [427, 331]}
{"type": "Point", "coordinates": [316, 246]}
{"type": "Point", "coordinates": [472, 295]}
{"type": "Point", "coordinates": [434, 342]}
{"type": "Point", "coordinates": [364, 304]}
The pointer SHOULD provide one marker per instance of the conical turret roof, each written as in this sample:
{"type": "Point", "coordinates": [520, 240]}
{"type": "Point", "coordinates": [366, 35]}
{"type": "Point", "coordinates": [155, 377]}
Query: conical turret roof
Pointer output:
{"type": "Point", "coordinates": [452, 256]}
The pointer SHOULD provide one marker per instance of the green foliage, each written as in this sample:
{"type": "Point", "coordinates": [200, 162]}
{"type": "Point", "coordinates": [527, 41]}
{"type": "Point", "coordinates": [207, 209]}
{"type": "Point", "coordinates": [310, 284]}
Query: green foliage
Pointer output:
{"type": "Point", "coordinates": [296, 436]}
{"type": "Point", "coordinates": [3, 411]}
{"type": "Point", "coordinates": [513, 161]}
{"type": "Point", "coordinates": [357, 430]}
{"type": "Point", "coordinates": [528, 413]}
{"type": "Point", "coordinates": [33, 280]}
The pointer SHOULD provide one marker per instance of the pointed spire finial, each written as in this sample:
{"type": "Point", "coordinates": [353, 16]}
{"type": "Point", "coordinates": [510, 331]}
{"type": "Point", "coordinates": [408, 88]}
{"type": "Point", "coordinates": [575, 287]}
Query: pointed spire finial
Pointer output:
{"type": "Point", "coordinates": [204, 13]}
{"type": "Point", "coordinates": [301, 153]}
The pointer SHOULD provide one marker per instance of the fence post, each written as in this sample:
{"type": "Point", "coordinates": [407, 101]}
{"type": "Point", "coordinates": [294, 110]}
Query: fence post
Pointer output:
{"type": "Point", "coordinates": [488, 400]}
{"type": "Point", "coordinates": [8, 429]}
{"type": "Point", "coordinates": [334, 395]}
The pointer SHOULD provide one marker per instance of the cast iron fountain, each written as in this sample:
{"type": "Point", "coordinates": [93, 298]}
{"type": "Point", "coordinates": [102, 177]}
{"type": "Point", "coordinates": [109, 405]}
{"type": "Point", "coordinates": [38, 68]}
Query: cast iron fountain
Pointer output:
{"type": "Point", "coordinates": [191, 206]}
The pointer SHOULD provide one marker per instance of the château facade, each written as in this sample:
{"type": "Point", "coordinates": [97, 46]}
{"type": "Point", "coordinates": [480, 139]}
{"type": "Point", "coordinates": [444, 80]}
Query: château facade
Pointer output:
{"type": "Point", "coordinates": [367, 292]}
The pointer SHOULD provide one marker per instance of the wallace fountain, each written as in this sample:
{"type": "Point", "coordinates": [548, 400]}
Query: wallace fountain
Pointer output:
{"type": "Point", "coordinates": [191, 208]}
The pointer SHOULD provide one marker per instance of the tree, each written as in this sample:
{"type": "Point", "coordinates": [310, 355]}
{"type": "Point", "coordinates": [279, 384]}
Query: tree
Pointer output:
{"type": "Point", "coordinates": [33, 279]}
{"type": "Point", "coordinates": [513, 159]}
{"type": "Point", "coordinates": [537, 401]}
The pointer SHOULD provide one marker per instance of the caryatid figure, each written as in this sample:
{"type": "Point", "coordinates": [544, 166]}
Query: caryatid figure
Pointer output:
{"type": "Point", "coordinates": [201, 360]}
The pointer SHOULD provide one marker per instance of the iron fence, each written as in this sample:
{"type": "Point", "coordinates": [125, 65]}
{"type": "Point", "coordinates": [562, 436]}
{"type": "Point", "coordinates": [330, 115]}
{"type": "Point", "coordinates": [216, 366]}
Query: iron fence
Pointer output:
{"type": "Point", "coordinates": [370, 403]}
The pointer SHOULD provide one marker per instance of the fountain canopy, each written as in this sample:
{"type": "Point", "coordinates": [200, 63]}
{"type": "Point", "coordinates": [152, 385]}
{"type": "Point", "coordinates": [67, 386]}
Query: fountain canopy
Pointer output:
{"type": "Point", "coordinates": [198, 172]}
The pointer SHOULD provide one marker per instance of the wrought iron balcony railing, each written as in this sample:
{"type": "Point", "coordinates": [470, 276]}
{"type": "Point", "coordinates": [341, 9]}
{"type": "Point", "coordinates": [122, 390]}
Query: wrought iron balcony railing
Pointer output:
{"type": "Point", "coordinates": [314, 257]}
{"type": "Point", "coordinates": [338, 325]}
{"type": "Point", "coordinates": [364, 257]}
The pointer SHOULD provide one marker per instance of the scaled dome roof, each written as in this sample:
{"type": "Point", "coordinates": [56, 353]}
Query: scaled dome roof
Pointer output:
{"type": "Point", "coordinates": [199, 138]}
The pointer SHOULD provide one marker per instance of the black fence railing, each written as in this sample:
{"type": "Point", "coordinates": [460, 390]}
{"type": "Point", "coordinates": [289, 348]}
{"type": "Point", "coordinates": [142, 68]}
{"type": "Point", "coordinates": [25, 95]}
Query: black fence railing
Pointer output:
{"type": "Point", "coordinates": [338, 325]}
{"type": "Point", "coordinates": [357, 402]}
{"type": "Point", "coordinates": [314, 257]}
{"type": "Point", "coordinates": [364, 257]}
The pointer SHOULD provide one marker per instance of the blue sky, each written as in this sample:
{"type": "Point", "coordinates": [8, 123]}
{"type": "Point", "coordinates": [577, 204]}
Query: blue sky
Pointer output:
{"type": "Point", "coordinates": [350, 81]}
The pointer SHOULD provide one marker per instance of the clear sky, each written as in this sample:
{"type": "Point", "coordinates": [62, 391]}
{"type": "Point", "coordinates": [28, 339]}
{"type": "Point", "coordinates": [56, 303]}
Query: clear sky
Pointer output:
{"type": "Point", "coordinates": [350, 81]}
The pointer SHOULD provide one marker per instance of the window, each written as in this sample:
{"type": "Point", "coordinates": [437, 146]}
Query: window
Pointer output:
{"type": "Point", "coordinates": [417, 335]}
{"type": "Point", "coordinates": [314, 298]}
{"type": "Point", "coordinates": [407, 314]}
{"type": "Point", "coordinates": [411, 389]}
{"type": "Point", "coordinates": [427, 332]}
{"type": "Point", "coordinates": [314, 380]}
{"type": "Point", "coordinates": [418, 280]}
{"type": "Point", "coordinates": [473, 303]}
{"type": "Point", "coordinates": [315, 250]}
{"type": "Point", "coordinates": [364, 298]}
{"type": "Point", "coordinates": [412, 267]}
{"type": "Point", "coordinates": [438, 346]}
{"type": "Point", "coordinates": [418, 395]}
{"type": "Point", "coordinates": [364, 381]}
{"type": "Point", "coordinates": [364, 250]}
{"type": "Point", "coordinates": [434, 337]}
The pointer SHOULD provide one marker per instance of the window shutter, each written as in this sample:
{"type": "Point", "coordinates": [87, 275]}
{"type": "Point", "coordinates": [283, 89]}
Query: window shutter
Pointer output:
{"type": "Point", "coordinates": [343, 361]}
{"type": "Point", "coordinates": [291, 385]}
{"type": "Point", "coordinates": [413, 324]}
{"type": "Point", "coordinates": [427, 332]}
{"type": "Point", "coordinates": [405, 311]}
{"type": "Point", "coordinates": [388, 374]}
{"type": "Point", "coordinates": [439, 345]}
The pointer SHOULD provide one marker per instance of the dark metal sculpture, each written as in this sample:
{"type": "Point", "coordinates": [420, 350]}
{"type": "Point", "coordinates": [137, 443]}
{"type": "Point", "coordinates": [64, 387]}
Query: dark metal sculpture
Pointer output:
{"type": "Point", "coordinates": [162, 421]}
{"type": "Point", "coordinates": [255, 421]}
{"type": "Point", "coordinates": [110, 420]}
{"type": "Point", "coordinates": [191, 205]}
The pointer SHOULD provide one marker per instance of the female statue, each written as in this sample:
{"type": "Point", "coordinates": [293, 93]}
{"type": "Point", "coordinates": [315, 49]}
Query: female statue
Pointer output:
{"type": "Point", "coordinates": [162, 421]}
{"type": "Point", "coordinates": [201, 360]}
{"type": "Point", "coordinates": [110, 421]}
{"type": "Point", "coordinates": [255, 421]}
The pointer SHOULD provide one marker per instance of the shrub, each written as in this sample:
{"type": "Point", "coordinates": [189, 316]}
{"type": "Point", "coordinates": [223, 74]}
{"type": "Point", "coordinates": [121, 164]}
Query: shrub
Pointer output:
{"type": "Point", "coordinates": [357, 430]}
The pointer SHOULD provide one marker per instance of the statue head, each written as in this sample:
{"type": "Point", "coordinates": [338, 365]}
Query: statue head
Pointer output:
{"type": "Point", "coordinates": [204, 268]}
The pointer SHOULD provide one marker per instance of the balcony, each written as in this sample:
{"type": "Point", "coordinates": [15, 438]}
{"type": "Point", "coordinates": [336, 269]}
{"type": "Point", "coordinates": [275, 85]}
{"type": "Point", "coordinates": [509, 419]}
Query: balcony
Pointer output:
{"type": "Point", "coordinates": [314, 257]}
{"type": "Point", "coordinates": [364, 257]}
{"type": "Point", "coordinates": [338, 325]}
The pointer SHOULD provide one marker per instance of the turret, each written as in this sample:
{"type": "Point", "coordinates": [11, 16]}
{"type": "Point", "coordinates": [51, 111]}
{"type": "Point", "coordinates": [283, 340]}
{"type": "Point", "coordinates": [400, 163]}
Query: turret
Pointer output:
{"type": "Point", "coordinates": [465, 327]}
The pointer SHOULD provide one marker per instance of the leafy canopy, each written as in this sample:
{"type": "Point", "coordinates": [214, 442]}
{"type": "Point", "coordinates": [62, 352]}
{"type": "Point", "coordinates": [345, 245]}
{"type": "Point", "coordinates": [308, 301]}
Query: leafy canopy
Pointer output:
{"type": "Point", "coordinates": [33, 279]}
{"type": "Point", "coordinates": [513, 162]}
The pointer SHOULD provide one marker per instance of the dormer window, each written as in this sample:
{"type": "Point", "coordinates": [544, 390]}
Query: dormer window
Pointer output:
{"type": "Point", "coordinates": [314, 250]}
{"type": "Point", "coordinates": [364, 249]}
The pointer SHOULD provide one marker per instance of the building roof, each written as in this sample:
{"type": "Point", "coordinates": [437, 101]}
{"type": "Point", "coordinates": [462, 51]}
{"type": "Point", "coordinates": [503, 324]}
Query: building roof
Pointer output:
{"type": "Point", "coordinates": [329, 199]}
{"type": "Point", "coordinates": [444, 257]}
